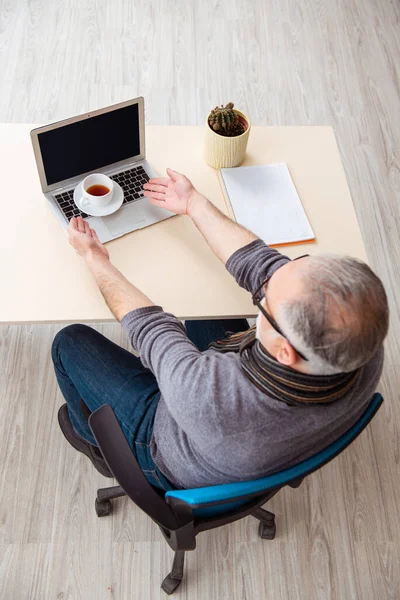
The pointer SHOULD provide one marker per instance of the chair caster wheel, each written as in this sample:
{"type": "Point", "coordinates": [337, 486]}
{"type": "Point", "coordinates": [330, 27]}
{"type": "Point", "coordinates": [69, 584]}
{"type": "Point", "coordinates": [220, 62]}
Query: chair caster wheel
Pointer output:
{"type": "Point", "coordinates": [267, 532]}
{"type": "Point", "coordinates": [170, 585]}
{"type": "Point", "coordinates": [102, 508]}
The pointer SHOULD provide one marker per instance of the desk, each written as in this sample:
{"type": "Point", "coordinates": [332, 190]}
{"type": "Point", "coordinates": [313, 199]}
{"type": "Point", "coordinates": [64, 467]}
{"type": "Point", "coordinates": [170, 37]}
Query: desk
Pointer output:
{"type": "Point", "coordinates": [43, 279]}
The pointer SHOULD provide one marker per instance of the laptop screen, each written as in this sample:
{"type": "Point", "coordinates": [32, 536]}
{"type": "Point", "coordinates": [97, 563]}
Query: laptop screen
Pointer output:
{"type": "Point", "coordinates": [90, 144]}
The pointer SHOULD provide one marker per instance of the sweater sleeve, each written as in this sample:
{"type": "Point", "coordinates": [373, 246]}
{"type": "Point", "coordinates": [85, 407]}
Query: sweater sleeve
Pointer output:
{"type": "Point", "coordinates": [254, 263]}
{"type": "Point", "coordinates": [187, 378]}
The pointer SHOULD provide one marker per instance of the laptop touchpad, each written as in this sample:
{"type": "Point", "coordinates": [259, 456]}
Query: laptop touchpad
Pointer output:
{"type": "Point", "coordinates": [126, 219]}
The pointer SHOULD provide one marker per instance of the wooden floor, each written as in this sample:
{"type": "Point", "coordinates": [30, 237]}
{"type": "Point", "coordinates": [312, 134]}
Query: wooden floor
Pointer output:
{"type": "Point", "coordinates": [288, 62]}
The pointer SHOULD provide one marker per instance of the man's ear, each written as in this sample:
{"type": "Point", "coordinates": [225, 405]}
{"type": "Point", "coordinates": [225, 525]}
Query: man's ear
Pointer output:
{"type": "Point", "coordinates": [286, 354]}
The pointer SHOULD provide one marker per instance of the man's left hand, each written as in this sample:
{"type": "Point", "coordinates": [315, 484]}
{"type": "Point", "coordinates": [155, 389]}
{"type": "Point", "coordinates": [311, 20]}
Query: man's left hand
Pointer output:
{"type": "Point", "coordinates": [84, 239]}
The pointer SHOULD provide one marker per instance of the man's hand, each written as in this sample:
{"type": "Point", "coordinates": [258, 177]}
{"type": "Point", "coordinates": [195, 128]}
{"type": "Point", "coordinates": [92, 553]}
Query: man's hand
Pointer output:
{"type": "Point", "coordinates": [120, 295]}
{"type": "Point", "coordinates": [84, 239]}
{"type": "Point", "coordinates": [174, 193]}
{"type": "Point", "coordinates": [177, 194]}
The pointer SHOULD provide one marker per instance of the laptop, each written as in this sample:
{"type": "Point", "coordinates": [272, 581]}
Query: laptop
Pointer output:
{"type": "Point", "coordinates": [110, 141]}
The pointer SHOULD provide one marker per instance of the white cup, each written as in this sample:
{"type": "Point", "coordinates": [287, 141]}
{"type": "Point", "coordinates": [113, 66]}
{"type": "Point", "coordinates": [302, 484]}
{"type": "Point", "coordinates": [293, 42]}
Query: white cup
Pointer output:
{"type": "Point", "coordinates": [96, 179]}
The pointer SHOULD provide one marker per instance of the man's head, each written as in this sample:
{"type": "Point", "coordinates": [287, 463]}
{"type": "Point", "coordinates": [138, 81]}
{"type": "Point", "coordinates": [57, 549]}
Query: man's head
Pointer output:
{"type": "Point", "coordinates": [332, 309]}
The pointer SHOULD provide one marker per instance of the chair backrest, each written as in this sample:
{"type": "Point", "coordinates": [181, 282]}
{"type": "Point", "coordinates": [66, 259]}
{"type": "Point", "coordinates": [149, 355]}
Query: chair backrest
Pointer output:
{"type": "Point", "coordinates": [218, 499]}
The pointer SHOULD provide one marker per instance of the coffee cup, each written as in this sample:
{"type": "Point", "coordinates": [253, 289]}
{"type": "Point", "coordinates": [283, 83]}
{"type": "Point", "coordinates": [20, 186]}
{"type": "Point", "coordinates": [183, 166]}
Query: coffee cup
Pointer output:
{"type": "Point", "coordinates": [97, 190]}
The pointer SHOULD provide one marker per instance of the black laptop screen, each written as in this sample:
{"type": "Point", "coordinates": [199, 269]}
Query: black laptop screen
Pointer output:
{"type": "Point", "coordinates": [90, 144]}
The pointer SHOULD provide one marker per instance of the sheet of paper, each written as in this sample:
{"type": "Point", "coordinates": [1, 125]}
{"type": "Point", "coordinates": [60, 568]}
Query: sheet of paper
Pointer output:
{"type": "Point", "coordinates": [264, 199]}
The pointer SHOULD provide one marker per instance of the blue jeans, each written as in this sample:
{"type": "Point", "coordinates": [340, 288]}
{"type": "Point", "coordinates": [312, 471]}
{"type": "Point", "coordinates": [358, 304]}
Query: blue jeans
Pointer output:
{"type": "Point", "coordinates": [90, 367]}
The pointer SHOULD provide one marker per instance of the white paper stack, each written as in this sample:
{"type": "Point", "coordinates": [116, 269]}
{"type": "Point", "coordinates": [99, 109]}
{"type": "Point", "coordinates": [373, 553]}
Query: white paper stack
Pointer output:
{"type": "Point", "coordinates": [264, 199]}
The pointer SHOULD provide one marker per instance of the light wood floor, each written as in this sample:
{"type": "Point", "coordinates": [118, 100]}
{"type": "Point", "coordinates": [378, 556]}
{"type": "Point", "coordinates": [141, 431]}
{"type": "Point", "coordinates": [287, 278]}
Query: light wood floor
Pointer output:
{"type": "Point", "coordinates": [285, 62]}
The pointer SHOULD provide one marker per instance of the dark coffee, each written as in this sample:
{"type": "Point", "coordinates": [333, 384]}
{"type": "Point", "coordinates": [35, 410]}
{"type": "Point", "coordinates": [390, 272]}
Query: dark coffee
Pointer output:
{"type": "Point", "coordinates": [97, 190]}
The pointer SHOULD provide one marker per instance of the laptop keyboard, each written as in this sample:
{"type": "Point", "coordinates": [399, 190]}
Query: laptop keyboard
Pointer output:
{"type": "Point", "coordinates": [131, 182]}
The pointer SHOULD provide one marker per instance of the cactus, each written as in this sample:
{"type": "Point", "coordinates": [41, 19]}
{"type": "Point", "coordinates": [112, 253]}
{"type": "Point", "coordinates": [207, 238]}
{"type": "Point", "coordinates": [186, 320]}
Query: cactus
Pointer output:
{"type": "Point", "coordinates": [225, 121]}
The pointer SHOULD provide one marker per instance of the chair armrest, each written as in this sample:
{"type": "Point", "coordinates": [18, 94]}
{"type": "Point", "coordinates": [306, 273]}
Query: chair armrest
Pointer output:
{"type": "Point", "coordinates": [125, 468]}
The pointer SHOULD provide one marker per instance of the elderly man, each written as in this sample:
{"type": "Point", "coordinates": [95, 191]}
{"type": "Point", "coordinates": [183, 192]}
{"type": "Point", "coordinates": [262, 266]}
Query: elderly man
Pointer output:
{"type": "Point", "coordinates": [214, 401]}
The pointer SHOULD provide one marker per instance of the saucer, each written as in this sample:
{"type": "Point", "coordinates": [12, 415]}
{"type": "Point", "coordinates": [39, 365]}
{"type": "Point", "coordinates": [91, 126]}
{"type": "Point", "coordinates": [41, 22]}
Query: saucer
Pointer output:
{"type": "Point", "coordinates": [113, 205]}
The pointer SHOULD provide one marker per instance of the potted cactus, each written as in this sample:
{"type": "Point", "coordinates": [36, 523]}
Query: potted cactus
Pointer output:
{"type": "Point", "coordinates": [227, 132]}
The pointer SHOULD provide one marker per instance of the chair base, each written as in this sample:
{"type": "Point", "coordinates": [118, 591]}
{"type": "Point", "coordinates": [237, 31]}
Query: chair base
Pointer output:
{"type": "Point", "coordinates": [103, 506]}
{"type": "Point", "coordinates": [174, 579]}
{"type": "Point", "coordinates": [267, 532]}
{"type": "Point", "coordinates": [103, 509]}
{"type": "Point", "coordinates": [267, 527]}
{"type": "Point", "coordinates": [102, 503]}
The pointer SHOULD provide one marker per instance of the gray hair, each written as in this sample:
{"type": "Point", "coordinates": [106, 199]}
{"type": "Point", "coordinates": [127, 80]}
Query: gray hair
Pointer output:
{"type": "Point", "coordinates": [342, 317]}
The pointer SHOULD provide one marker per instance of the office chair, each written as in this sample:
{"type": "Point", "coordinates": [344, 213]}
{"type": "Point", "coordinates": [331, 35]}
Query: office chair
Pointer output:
{"type": "Point", "coordinates": [183, 514]}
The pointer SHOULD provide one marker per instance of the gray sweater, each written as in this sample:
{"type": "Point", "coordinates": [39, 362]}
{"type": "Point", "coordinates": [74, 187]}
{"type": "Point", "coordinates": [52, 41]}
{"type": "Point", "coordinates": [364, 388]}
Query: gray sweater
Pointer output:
{"type": "Point", "coordinates": [212, 424]}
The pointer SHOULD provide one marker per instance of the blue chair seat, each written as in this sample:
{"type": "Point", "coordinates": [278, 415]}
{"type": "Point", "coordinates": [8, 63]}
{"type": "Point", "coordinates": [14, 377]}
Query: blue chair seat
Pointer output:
{"type": "Point", "coordinates": [227, 496]}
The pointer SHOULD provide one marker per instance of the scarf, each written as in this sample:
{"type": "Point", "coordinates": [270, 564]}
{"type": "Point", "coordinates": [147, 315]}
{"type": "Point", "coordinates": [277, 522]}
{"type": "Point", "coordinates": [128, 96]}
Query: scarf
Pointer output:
{"type": "Point", "coordinates": [279, 381]}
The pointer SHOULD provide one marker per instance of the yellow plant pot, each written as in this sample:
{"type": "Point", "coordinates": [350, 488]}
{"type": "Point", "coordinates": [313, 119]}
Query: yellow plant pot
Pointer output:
{"type": "Point", "coordinates": [221, 151]}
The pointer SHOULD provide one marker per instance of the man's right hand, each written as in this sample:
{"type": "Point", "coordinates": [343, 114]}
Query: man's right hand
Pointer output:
{"type": "Point", "coordinates": [174, 193]}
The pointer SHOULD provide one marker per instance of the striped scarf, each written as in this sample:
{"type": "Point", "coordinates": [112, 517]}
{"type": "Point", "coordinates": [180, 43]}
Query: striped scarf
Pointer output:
{"type": "Point", "coordinates": [279, 381]}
